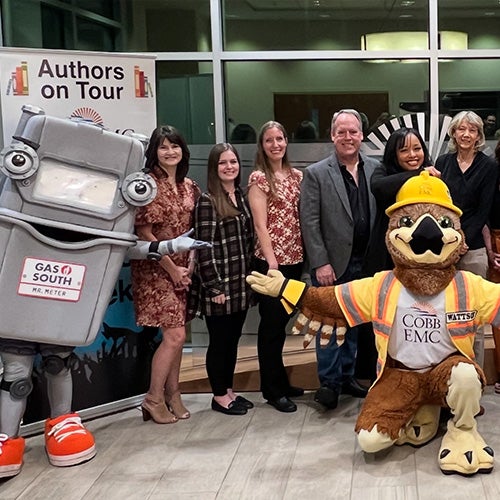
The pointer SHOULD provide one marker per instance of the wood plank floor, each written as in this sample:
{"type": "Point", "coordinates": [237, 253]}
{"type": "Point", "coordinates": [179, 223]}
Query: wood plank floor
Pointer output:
{"type": "Point", "coordinates": [309, 454]}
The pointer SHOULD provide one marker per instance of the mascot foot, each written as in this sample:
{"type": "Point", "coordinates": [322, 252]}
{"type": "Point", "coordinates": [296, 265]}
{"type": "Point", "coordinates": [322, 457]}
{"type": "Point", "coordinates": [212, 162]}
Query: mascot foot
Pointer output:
{"type": "Point", "coordinates": [67, 441]}
{"type": "Point", "coordinates": [422, 428]}
{"type": "Point", "coordinates": [11, 455]}
{"type": "Point", "coordinates": [463, 451]}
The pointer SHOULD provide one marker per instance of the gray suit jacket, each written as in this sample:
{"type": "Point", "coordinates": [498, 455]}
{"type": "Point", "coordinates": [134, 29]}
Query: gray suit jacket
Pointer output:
{"type": "Point", "coordinates": [325, 213]}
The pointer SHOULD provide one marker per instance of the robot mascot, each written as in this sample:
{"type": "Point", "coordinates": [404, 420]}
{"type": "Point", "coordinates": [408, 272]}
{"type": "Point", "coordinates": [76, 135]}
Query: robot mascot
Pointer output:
{"type": "Point", "coordinates": [425, 315]}
{"type": "Point", "coordinates": [66, 225]}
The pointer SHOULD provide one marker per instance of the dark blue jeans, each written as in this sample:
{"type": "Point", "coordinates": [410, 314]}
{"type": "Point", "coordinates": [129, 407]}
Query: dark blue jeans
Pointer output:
{"type": "Point", "coordinates": [337, 364]}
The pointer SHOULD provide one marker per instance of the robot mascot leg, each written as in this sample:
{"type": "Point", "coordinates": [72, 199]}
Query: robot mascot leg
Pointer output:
{"type": "Point", "coordinates": [67, 442]}
{"type": "Point", "coordinates": [14, 389]}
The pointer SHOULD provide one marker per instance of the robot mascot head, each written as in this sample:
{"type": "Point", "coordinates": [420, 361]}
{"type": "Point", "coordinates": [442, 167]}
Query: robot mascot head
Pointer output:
{"type": "Point", "coordinates": [424, 236]}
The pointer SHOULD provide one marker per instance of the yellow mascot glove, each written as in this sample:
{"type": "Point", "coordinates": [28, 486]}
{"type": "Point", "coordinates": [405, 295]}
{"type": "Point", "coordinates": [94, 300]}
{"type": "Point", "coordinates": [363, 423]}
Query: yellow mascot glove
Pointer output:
{"type": "Point", "coordinates": [276, 285]}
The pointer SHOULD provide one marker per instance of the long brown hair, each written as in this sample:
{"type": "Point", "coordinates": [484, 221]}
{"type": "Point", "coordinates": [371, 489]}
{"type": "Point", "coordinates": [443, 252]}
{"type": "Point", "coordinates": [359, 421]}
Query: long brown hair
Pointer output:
{"type": "Point", "coordinates": [261, 159]}
{"type": "Point", "coordinates": [214, 186]}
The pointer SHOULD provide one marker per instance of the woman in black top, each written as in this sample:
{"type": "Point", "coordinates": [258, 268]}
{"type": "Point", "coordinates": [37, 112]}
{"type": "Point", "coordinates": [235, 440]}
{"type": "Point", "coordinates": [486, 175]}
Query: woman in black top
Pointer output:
{"type": "Point", "coordinates": [219, 291]}
{"type": "Point", "coordinates": [472, 178]}
{"type": "Point", "coordinates": [405, 156]}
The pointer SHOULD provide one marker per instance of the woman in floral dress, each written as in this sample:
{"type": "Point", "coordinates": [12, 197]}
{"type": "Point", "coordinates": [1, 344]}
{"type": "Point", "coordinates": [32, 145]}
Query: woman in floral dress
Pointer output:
{"type": "Point", "coordinates": [160, 287]}
{"type": "Point", "coordinates": [274, 188]}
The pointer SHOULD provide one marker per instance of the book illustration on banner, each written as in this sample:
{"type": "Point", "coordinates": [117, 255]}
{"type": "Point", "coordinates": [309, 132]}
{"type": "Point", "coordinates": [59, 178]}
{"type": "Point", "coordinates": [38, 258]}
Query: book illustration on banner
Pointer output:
{"type": "Point", "coordinates": [18, 81]}
{"type": "Point", "coordinates": [142, 85]}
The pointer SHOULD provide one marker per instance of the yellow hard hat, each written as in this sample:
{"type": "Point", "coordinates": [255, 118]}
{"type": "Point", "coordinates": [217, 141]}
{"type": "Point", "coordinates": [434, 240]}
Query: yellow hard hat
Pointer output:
{"type": "Point", "coordinates": [424, 188]}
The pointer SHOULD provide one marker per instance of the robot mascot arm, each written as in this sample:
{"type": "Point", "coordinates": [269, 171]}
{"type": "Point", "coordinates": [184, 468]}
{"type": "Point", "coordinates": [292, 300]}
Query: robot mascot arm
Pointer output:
{"type": "Point", "coordinates": [154, 250]}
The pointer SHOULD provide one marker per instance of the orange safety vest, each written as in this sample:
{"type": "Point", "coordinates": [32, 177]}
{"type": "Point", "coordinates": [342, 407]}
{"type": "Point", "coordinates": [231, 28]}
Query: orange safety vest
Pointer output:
{"type": "Point", "coordinates": [461, 310]}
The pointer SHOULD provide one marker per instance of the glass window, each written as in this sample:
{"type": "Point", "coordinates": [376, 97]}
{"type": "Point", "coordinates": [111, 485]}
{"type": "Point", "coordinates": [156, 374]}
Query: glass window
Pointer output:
{"type": "Point", "coordinates": [312, 91]}
{"type": "Point", "coordinates": [173, 26]}
{"type": "Point", "coordinates": [471, 85]}
{"type": "Point", "coordinates": [317, 25]}
{"type": "Point", "coordinates": [51, 25]}
{"type": "Point", "coordinates": [478, 18]}
{"type": "Point", "coordinates": [94, 36]}
{"type": "Point", "coordinates": [106, 8]}
{"type": "Point", "coordinates": [185, 99]}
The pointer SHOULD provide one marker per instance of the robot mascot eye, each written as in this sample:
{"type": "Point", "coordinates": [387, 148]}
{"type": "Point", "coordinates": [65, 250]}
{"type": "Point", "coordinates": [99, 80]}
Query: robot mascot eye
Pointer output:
{"type": "Point", "coordinates": [18, 161]}
{"type": "Point", "coordinates": [139, 189]}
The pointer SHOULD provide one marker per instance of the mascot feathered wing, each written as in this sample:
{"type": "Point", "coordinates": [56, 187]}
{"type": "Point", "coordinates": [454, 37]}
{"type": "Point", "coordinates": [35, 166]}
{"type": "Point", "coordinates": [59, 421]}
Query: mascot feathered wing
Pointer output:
{"type": "Point", "coordinates": [425, 315]}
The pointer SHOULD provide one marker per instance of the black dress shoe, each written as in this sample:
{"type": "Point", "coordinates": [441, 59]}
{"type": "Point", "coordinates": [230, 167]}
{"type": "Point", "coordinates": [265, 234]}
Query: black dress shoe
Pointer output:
{"type": "Point", "coordinates": [244, 402]}
{"type": "Point", "coordinates": [327, 396]}
{"type": "Point", "coordinates": [233, 409]}
{"type": "Point", "coordinates": [283, 404]}
{"type": "Point", "coordinates": [354, 388]}
{"type": "Point", "coordinates": [294, 392]}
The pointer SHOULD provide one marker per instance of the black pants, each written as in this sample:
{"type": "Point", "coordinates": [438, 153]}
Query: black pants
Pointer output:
{"type": "Point", "coordinates": [224, 334]}
{"type": "Point", "coordinates": [272, 335]}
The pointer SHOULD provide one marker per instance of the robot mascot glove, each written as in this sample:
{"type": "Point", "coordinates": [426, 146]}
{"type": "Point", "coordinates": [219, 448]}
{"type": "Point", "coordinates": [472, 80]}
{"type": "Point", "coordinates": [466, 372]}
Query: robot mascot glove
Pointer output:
{"type": "Point", "coordinates": [319, 309]}
{"type": "Point", "coordinates": [154, 250]}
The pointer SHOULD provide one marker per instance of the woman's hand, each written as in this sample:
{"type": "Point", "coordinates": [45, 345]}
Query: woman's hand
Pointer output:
{"type": "Point", "coordinates": [272, 263]}
{"type": "Point", "coordinates": [180, 277]}
{"type": "Point", "coordinates": [219, 299]}
{"type": "Point", "coordinates": [494, 259]}
{"type": "Point", "coordinates": [433, 171]}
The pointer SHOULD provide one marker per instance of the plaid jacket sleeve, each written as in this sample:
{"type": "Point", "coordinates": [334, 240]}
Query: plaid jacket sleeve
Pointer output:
{"type": "Point", "coordinates": [205, 226]}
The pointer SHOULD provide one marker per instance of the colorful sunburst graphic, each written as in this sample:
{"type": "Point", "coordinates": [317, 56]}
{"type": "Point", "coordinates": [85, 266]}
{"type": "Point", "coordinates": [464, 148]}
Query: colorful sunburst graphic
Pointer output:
{"type": "Point", "coordinates": [88, 115]}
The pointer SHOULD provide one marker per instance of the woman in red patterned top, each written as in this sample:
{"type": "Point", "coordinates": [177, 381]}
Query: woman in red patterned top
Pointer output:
{"type": "Point", "coordinates": [160, 287]}
{"type": "Point", "coordinates": [274, 188]}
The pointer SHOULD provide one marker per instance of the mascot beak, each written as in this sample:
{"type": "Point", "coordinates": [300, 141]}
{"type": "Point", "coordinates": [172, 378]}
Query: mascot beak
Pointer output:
{"type": "Point", "coordinates": [427, 237]}
{"type": "Point", "coordinates": [426, 241]}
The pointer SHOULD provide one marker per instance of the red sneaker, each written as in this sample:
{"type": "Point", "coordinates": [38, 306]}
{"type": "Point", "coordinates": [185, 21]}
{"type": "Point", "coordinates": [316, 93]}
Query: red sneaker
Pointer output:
{"type": "Point", "coordinates": [11, 455]}
{"type": "Point", "coordinates": [67, 441]}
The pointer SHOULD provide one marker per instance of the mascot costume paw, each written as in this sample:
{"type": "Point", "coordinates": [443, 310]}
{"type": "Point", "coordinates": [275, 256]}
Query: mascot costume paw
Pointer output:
{"type": "Point", "coordinates": [425, 315]}
{"type": "Point", "coordinates": [67, 210]}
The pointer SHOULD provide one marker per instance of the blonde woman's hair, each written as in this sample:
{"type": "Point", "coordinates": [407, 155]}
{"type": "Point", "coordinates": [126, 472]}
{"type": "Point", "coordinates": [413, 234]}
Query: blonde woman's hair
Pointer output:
{"type": "Point", "coordinates": [471, 118]}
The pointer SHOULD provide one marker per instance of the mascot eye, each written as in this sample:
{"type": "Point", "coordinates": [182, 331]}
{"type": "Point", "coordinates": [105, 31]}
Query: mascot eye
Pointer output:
{"type": "Point", "coordinates": [406, 221]}
{"type": "Point", "coordinates": [445, 222]}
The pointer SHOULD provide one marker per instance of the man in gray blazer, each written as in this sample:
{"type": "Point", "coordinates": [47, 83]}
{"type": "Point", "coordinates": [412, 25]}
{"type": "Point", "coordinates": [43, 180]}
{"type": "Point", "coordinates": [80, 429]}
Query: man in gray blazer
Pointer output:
{"type": "Point", "coordinates": [337, 211]}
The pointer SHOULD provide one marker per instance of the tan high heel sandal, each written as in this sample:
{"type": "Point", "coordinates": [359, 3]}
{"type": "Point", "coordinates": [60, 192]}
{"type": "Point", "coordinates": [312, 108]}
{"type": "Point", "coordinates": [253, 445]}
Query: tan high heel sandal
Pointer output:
{"type": "Point", "coordinates": [158, 411]}
{"type": "Point", "coordinates": [176, 406]}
